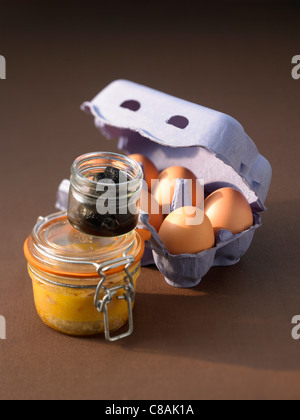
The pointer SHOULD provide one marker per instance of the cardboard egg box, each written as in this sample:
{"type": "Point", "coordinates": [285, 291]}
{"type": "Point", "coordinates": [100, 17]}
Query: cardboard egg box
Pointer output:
{"type": "Point", "coordinates": [214, 146]}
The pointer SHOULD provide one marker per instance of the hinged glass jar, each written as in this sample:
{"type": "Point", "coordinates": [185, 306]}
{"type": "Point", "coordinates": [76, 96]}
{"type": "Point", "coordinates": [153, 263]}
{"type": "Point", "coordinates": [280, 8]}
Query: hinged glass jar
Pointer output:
{"type": "Point", "coordinates": [98, 205]}
{"type": "Point", "coordinates": [83, 285]}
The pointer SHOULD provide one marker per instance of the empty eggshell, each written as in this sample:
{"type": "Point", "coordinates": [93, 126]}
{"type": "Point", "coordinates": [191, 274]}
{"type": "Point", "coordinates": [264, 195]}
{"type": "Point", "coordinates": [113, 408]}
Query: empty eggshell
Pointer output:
{"type": "Point", "coordinates": [150, 170]}
{"type": "Point", "coordinates": [164, 189]}
{"type": "Point", "coordinates": [229, 209]}
{"type": "Point", "coordinates": [181, 237]}
{"type": "Point", "coordinates": [150, 206]}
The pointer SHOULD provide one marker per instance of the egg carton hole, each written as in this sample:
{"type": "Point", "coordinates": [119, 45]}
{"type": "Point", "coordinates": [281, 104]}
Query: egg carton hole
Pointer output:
{"type": "Point", "coordinates": [132, 105]}
{"type": "Point", "coordinates": [178, 121]}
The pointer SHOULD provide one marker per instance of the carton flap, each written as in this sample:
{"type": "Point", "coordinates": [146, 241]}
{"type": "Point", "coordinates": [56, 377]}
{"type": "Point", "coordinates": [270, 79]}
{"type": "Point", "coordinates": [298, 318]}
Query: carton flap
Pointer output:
{"type": "Point", "coordinates": [168, 129]}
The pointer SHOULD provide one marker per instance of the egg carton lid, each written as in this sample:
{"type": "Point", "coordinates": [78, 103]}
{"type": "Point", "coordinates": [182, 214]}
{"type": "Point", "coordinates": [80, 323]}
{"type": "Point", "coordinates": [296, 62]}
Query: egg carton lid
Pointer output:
{"type": "Point", "coordinates": [171, 131]}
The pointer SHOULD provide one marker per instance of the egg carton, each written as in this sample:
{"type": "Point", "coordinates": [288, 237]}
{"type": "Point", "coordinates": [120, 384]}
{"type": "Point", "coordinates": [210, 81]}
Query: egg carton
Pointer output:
{"type": "Point", "coordinates": [214, 146]}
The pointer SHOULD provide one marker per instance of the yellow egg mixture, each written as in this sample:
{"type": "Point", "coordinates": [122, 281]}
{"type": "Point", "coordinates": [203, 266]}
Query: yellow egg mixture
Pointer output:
{"type": "Point", "coordinates": [72, 310]}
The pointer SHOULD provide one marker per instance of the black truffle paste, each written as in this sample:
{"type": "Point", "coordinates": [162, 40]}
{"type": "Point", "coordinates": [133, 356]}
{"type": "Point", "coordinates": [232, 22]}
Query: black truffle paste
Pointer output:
{"type": "Point", "coordinates": [86, 218]}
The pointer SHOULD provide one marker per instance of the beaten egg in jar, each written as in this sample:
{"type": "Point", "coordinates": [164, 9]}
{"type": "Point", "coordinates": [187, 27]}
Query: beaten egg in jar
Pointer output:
{"type": "Point", "coordinates": [83, 285]}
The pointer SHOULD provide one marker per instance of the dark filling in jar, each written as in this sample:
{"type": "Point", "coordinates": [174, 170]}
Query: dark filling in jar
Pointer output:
{"type": "Point", "coordinates": [86, 217]}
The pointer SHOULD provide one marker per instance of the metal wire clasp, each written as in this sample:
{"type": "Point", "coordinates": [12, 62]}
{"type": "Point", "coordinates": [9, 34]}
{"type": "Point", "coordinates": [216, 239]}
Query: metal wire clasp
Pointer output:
{"type": "Point", "coordinates": [128, 295]}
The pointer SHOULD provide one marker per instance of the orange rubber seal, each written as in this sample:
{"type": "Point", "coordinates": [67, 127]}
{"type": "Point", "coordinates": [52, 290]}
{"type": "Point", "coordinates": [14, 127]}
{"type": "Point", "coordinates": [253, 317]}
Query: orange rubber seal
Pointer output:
{"type": "Point", "coordinates": [142, 234]}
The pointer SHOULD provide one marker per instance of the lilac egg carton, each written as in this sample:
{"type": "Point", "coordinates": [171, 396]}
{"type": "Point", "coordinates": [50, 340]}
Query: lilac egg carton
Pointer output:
{"type": "Point", "coordinates": [213, 145]}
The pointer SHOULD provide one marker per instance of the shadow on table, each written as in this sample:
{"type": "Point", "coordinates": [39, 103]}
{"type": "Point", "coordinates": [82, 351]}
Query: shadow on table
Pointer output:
{"type": "Point", "coordinates": [238, 315]}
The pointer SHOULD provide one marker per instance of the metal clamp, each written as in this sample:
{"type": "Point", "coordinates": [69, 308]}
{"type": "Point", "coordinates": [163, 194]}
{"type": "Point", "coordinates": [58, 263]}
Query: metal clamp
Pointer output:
{"type": "Point", "coordinates": [109, 293]}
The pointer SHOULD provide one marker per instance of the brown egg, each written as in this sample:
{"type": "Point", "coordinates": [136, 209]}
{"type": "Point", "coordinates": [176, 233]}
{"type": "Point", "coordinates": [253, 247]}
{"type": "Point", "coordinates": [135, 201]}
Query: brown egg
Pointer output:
{"type": "Point", "coordinates": [150, 170]}
{"type": "Point", "coordinates": [149, 205]}
{"type": "Point", "coordinates": [164, 189]}
{"type": "Point", "coordinates": [187, 231]}
{"type": "Point", "coordinates": [228, 209]}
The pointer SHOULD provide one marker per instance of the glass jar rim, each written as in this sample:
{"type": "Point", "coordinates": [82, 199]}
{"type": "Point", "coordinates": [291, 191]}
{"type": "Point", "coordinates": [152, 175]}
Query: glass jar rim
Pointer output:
{"type": "Point", "coordinates": [132, 184]}
{"type": "Point", "coordinates": [55, 247]}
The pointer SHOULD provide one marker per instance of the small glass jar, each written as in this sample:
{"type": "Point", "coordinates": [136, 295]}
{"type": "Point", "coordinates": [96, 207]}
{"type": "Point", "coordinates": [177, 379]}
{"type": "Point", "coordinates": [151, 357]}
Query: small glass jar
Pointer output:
{"type": "Point", "coordinates": [103, 207]}
{"type": "Point", "coordinates": [83, 285]}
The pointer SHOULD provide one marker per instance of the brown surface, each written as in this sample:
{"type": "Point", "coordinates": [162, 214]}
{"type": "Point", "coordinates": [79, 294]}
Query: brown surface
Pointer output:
{"type": "Point", "coordinates": [231, 336]}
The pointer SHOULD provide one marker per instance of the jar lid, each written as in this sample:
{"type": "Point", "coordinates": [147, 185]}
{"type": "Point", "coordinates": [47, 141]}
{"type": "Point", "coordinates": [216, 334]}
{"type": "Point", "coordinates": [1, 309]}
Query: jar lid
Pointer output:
{"type": "Point", "coordinates": [56, 247]}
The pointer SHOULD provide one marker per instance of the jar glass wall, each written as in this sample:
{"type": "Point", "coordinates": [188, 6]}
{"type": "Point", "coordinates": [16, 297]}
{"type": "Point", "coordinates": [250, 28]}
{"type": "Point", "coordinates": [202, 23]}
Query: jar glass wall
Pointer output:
{"type": "Point", "coordinates": [70, 309]}
{"type": "Point", "coordinates": [104, 197]}
{"type": "Point", "coordinates": [83, 285]}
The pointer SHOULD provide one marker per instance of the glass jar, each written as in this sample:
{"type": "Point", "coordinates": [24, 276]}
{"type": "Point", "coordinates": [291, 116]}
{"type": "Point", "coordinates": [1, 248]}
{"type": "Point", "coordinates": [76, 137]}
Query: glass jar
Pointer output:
{"type": "Point", "coordinates": [83, 285]}
{"type": "Point", "coordinates": [104, 197]}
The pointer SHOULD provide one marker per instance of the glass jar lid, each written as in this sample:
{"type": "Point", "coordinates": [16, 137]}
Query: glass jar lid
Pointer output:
{"type": "Point", "coordinates": [57, 248]}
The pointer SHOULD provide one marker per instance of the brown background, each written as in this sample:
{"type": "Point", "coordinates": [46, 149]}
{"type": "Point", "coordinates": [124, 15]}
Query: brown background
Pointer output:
{"type": "Point", "coordinates": [229, 338]}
